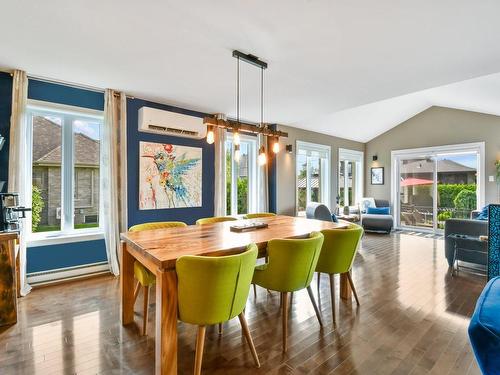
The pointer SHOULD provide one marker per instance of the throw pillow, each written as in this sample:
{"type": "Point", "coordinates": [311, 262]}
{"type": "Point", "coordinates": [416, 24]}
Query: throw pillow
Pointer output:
{"type": "Point", "coordinates": [483, 215]}
{"type": "Point", "coordinates": [365, 203]}
{"type": "Point", "coordinates": [378, 211]}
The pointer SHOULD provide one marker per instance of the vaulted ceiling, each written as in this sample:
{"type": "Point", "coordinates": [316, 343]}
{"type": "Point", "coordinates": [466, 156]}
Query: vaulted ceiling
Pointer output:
{"type": "Point", "coordinates": [352, 69]}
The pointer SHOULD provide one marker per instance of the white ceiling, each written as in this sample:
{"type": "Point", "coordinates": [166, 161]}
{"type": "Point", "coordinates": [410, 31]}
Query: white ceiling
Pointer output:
{"type": "Point", "coordinates": [328, 60]}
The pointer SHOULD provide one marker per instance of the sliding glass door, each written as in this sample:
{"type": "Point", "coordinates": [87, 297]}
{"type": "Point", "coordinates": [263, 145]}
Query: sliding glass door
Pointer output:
{"type": "Point", "coordinates": [436, 184]}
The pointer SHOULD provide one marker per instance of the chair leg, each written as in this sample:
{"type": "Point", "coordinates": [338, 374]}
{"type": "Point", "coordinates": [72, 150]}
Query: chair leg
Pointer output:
{"type": "Point", "coordinates": [220, 328]}
{"type": "Point", "coordinates": [316, 310]}
{"type": "Point", "coordinates": [145, 314]}
{"type": "Point", "coordinates": [246, 332]}
{"type": "Point", "coordinates": [332, 294]}
{"type": "Point", "coordinates": [254, 291]}
{"type": "Point", "coordinates": [136, 291]}
{"type": "Point", "coordinates": [284, 306]}
{"type": "Point", "coordinates": [200, 342]}
{"type": "Point", "coordinates": [319, 280]}
{"type": "Point", "coordinates": [352, 287]}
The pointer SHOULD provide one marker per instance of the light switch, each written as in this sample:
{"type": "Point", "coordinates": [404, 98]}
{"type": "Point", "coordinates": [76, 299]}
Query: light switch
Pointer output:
{"type": "Point", "coordinates": [491, 179]}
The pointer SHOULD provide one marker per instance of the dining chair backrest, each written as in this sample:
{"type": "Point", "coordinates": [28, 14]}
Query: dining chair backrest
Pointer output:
{"type": "Point", "coordinates": [215, 219]}
{"type": "Point", "coordinates": [339, 249]}
{"type": "Point", "coordinates": [213, 290]}
{"type": "Point", "coordinates": [292, 262]}
{"type": "Point", "coordinates": [259, 214]}
{"type": "Point", "coordinates": [157, 225]}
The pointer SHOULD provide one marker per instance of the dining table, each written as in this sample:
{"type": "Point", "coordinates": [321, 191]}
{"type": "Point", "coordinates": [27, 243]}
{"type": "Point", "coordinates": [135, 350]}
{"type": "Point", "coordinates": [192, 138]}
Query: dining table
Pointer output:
{"type": "Point", "coordinates": [159, 249]}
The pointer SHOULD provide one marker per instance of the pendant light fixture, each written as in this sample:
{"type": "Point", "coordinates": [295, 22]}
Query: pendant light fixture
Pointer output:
{"type": "Point", "coordinates": [210, 135]}
{"type": "Point", "coordinates": [261, 128]}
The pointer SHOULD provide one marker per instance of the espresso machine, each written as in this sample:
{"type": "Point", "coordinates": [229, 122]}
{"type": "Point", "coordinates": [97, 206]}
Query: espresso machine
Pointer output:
{"type": "Point", "coordinates": [11, 212]}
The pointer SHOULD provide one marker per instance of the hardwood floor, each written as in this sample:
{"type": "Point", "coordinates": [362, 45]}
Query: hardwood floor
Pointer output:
{"type": "Point", "coordinates": [413, 319]}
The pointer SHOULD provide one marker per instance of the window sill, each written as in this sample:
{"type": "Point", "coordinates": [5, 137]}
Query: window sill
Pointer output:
{"type": "Point", "coordinates": [47, 239]}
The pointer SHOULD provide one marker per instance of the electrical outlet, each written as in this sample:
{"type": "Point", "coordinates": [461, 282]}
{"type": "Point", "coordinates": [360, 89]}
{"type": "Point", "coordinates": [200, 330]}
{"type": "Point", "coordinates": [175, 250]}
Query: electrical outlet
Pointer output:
{"type": "Point", "coordinates": [491, 179]}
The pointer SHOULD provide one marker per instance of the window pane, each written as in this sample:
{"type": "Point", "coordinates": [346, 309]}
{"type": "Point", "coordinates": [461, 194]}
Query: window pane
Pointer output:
{"type": "Point", "coordinates": [242, 180]}
{"type": "Point", "coordinates": [229, 168]}
{"type": "Point", "coordinates": [314, 183]}
{"type": "Point", "coordinates": [341, 183]}
{"type": "Point", "coordinates": [86, 143]}
{"type": "Point", "coordinates": [46, 173]}
{"type": "Point", "coordinates": [301, 182]}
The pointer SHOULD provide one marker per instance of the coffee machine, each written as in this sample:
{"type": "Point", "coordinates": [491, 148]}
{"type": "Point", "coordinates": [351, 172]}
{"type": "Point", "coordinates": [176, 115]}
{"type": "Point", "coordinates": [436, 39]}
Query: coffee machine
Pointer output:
{"type": "Point", "coordinates": [11, 212]}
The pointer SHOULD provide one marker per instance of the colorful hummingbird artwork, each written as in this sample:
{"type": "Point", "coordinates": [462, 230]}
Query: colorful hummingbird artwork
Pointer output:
{"type": "Point", "coordinates": [170, 176]}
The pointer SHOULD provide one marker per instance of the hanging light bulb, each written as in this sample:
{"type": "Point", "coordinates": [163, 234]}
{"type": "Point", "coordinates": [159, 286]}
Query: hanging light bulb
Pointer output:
{"type": "Point", "coordinates": [210, 135]}
{"type": "Point", "coordinates": [276, 145]}
{"type": "Point", "coordinates": [237, 153]}
{"type": "Point", "coordinates": [262, 158]}
{"type": "Point", "coordinates": [236, 137]}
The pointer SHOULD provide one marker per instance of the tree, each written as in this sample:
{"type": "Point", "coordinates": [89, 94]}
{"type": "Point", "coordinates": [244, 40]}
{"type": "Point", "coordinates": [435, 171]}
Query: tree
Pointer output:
{"type": "Point", "coordinates": [37, 205]}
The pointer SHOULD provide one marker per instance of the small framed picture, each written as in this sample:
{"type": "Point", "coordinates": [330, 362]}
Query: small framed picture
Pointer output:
{"type": "Point", "coordinates": [377, 175]}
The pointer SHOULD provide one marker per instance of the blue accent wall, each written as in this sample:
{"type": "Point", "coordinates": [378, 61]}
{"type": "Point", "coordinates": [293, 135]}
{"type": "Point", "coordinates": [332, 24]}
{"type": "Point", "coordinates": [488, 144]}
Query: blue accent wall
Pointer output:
{"type": "Point", "coordinates": [44, 258]}
{"type": "Point", "coordinates": [5, 110]}
{"type": "Point", "coordinates": [188, 215]}
{"type": "Point", "coordinates": [67, 95]}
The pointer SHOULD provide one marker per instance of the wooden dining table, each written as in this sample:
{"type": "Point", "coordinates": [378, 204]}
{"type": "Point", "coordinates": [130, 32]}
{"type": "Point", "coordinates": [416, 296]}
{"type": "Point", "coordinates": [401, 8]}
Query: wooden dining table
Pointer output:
{"type": "Point", "coordinates": [159, 249]}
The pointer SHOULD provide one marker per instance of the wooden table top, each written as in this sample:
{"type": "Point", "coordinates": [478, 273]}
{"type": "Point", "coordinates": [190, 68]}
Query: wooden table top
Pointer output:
{"type": "Point", "coordinates": [165, 246]}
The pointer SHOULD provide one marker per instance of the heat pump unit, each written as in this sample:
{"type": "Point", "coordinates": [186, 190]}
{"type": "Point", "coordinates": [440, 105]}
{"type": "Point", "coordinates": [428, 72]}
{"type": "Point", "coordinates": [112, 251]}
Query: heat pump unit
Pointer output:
{"type": "Point", "coordinates": [157, 121]}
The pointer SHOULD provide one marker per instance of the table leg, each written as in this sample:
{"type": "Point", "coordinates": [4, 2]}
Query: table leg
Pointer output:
{"type": "Point", "coordinates": [345, 288]}
{"type": "Point", "coordinates": [166, 323]}
{"type": "Point", "coordinates": [127, 285]}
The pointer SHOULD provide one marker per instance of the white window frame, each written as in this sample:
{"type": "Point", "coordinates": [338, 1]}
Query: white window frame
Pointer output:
{"type": "Point", "coordinates": [252, 173]}
{"type": "Point", "coordinates": [325, 167]}
{"type": "Point", "coordinates": [68, 113]}
{"type": "Point", "coordinates": [433, 152]}
{"type": "Point", "coordinates": [358, 158]}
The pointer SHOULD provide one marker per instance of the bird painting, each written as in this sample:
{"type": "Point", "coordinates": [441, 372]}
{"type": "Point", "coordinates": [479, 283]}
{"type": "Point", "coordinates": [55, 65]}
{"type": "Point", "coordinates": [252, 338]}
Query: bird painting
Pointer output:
{"type": "Point", "coordinates": [170, 176]}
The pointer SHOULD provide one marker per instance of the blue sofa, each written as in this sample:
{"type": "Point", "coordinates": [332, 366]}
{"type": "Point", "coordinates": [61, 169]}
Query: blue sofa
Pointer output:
{"type": "Point", "coordinates": [484, 328]}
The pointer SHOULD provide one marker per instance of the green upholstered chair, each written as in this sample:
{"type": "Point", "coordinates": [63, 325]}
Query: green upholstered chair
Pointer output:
{"type": "Point", "coordinates": [213, 290]}
{"type": "Point", "coordinates": [337, 255]}
{"type": "Point", "coordinates": [259, 214]}
{"type": "Point", "coordinates": [215, 219]}
{"type": "Point", "coordinates": [290, 268]}
{"type": "Point", "coordinates": [145, 278]}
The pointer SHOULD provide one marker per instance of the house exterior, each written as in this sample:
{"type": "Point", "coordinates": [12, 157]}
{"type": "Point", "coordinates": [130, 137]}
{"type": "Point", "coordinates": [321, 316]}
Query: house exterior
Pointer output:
{"type": "Point", "coordinates": [47, 149]}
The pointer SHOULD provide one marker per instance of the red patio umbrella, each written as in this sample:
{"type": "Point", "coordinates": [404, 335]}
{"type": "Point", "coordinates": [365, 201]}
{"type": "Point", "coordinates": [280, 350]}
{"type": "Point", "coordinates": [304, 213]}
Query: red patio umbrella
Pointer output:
{"type": "Point", "coordinates": [411, 181]}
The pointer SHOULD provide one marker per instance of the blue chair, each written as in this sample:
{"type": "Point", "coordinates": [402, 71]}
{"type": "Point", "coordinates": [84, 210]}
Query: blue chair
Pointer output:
{"type": "Point", "coordinates": [484, 328]}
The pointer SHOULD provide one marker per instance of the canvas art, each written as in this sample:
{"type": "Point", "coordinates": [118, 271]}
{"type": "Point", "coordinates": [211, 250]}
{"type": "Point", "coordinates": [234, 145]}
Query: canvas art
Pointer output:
{"type": "Point", "coordinates": [170, 176]}
{"type": "Point", "coordinates": [377, 175]}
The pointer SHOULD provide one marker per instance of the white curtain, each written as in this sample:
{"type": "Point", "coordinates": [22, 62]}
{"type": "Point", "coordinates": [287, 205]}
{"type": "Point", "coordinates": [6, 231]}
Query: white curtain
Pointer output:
{"type": "Point", "coordinates": [262, 180]}
{"type": "Point", "coordinates": [18, 163]}
{"type": "Point", "coordinates": [113, 183]}
{"type": "Point", "coordinates": [220, 172]}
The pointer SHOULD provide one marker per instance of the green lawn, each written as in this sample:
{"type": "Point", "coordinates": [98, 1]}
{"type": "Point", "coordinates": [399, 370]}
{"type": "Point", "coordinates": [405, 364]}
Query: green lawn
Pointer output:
{"type": "Point", "coordinates": [51, 228]}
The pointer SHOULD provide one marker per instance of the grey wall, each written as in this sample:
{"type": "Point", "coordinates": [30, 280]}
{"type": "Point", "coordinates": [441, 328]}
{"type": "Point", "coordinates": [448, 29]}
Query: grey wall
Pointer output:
{"type": "Point", "coordinates": [437, 126]}
{"type": "Point", "coordinates": [285, 165]}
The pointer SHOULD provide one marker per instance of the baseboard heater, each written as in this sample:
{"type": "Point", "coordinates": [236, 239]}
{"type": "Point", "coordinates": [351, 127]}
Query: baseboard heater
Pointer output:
{"type": "Point", "coordinates": [68, 273]}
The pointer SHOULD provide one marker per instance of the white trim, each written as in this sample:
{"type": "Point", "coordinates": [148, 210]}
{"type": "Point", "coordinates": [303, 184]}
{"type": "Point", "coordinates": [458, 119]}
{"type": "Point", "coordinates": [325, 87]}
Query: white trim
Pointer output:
{"type": "Point", "coordinates": [56, 238]}
{"type": "Point", "coordinates": [436, 151]}
{"type": "Point", "coordinates": [252, 174]}
{"type": "Point", "coordinates": [326, 182]}
{"type": "Point", "coordinates": [68, 115]}
{"type": "Point", "coordinates": [68, 273]}
{"type": "Point", "coordinates": [358, 157]}
{"type": "Point", "coordinates": [43, 106]}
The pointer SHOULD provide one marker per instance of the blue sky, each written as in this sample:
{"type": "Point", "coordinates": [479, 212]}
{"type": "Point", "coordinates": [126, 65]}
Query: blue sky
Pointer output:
{"type": "Point", "coordinates": [469, 160]}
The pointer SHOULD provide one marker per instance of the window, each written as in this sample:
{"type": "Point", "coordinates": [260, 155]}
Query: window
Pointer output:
{"type": "Point", "coordinates": [65, 157]}
{"type": "Point", "coordinates": [241, 176]}
{"type": "Point", "coordinates": [350, 189]}
{"type": "Point", "coordinates": [313, 175]}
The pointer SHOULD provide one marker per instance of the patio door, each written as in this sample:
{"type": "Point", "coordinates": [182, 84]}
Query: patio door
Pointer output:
{"type": "Point", "coordinates": [432, 185]}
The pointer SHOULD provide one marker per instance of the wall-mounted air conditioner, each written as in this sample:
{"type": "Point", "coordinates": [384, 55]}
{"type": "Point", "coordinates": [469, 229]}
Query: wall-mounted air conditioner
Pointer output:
{"type": "Point", "coordinates": [157, 121]}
